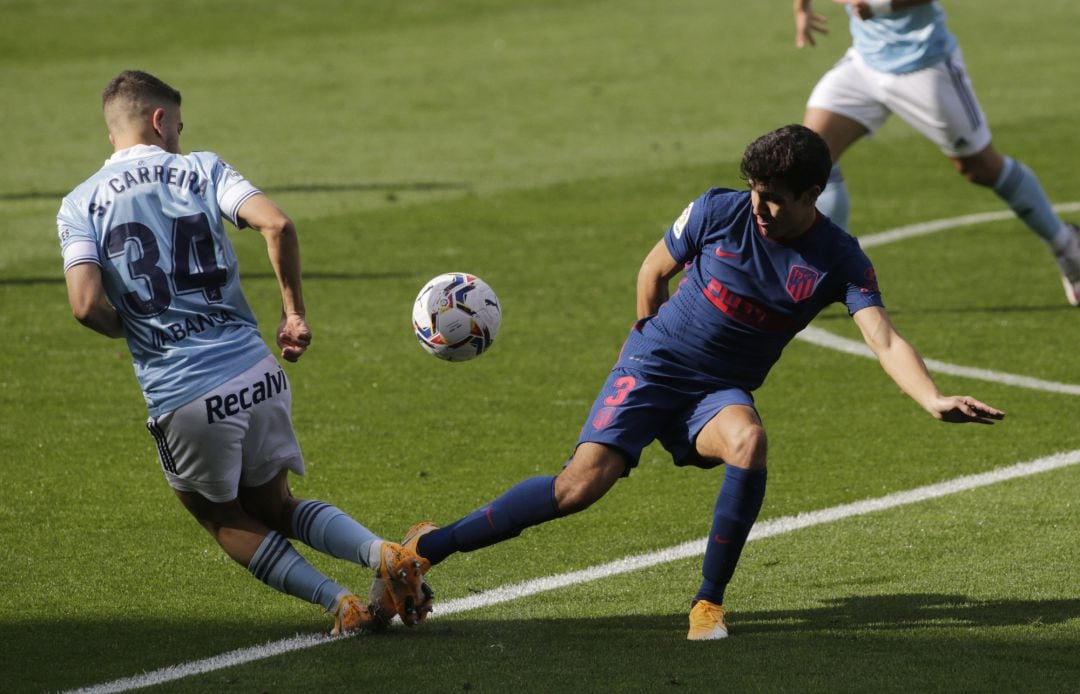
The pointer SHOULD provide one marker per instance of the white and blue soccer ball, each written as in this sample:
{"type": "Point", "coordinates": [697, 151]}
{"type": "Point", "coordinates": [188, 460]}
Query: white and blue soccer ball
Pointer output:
{"type": "Point", "coordinates": [456, 316]}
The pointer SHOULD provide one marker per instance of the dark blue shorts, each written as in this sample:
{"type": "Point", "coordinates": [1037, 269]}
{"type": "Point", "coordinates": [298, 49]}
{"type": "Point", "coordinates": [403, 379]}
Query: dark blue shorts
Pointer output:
{"type": "Point", "coordinates": [634, 409]}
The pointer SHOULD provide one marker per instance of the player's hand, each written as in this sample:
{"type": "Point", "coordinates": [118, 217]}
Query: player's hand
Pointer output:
{"type": "Point", "coordinates": [961, 409]}
{"type": "Point", "coordinates": [807, 23]}
{"type": "Point", "coordinates": [293, 336]}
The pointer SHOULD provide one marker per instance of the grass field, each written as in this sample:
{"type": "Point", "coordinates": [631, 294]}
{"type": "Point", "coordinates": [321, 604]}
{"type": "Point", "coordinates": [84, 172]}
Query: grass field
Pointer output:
{"type": "Point", "coordinates": [544, 146]}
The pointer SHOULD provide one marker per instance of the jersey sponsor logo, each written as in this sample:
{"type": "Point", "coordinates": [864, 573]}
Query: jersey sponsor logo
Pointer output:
{"type": "Point", "coordinates": [175, 332]}
{"type": "Point", "coordinates": [801, 282]}
{"type": "Point", "coordinates": [746, 311]}
{"type": "Point", "coordinates": [680, 223]}
{"type": "Point", "coordinates": [221, 407]}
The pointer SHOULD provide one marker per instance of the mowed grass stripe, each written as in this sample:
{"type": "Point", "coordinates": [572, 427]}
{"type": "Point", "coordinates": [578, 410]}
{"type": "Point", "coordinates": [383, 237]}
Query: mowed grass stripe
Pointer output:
{"type": "Point", "coordinates": [764, 529]}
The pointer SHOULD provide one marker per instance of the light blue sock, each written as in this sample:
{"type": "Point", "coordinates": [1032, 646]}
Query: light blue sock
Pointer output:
{"type": "Point", "coordinates": [833, 201]}
{"type": "Point", "coordinates": [332, 531]}
{"type": "Point", "coordinates": [277, 564]}
{"type": "Point", "coordinates": [1020, 188]}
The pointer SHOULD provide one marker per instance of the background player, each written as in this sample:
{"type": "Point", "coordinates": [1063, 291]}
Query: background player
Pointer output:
{"type": "Point", "coordinates": [759, 265]}
{"type": "Point", "coordinates": [904, 60]}
{"type": "Point", "coordinates": [146, 257]}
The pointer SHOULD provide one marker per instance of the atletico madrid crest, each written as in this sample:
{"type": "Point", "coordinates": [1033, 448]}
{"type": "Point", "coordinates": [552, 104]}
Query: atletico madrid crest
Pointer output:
{"type": "Point", "coordinates": [801, 282]}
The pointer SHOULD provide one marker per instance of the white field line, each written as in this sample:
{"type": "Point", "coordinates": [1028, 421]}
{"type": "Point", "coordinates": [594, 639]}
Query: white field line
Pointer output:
{"type": "Point", "coordinates": [821, 338]}
{"type": "Point", "coordinates": [769, 528]}
{"type": "Point", "coordinates": [686, 550]}
{"type": "Point", "coordinates": [901, 233]}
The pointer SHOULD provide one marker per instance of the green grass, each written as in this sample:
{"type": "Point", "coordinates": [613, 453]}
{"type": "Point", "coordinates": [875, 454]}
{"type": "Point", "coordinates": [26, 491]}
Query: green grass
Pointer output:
{"type": "Point", "coordinates": [545, 147]}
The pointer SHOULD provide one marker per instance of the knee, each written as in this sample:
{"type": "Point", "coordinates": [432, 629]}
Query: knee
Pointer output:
{"type": "Point", "coordinates": [981, 170]}
{"type": "Point", "coordinates": [973, 174]}
{"type": "Point", "coordinates": [215, 517]}
{"type": "Point", "coordinates": [748, 448]}
{"type": "Point", "coordinates": [591, 472]}
{"type": "Point", "coordinates": [275, 512]}
{"type": "Point", "coordinates": [575, 495]}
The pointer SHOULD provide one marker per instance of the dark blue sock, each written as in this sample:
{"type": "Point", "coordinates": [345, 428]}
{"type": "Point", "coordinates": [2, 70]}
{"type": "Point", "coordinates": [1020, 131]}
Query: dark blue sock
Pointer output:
{"type": "Point", "coordinates": [524, 505]}
{"type": "Point", "coordinates": [737, 508]}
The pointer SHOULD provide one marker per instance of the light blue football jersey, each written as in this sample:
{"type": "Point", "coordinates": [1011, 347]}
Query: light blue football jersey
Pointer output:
{"type": "Point", "coordinates": [903, 41]}
{"type": "Point", "coordinates": [153, 221]}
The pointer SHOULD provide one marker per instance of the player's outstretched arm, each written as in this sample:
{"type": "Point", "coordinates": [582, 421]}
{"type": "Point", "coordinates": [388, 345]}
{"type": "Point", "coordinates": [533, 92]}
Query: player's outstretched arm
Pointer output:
{"type": "Point", "coordinates": [807, 23]}
{"type": "Point", "coordinates": [283, 248]}
{"type": "Point", "coordinates": [89, 304]}
{"type": "Point", "coordinates": [904, 365]}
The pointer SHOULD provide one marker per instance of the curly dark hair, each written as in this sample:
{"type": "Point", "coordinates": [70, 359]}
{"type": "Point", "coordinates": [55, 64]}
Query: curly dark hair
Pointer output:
{"type": "Point", "coordinates": [139, 87]}
{"type": "Point", "coordinates": [794, 156]}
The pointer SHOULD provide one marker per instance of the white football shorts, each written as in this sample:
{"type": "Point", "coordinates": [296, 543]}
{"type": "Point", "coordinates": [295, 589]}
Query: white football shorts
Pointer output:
{"type": "Point", "coordinates": [938, 101]}
{"type": "Point", "coordinates": [238, 434]}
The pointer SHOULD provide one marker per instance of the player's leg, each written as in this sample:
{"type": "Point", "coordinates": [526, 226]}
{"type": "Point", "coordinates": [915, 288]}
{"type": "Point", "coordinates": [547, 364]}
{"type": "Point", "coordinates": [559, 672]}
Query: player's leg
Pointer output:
{"type": "Point", "coordinates": [940, 103]}
{"type": "Point", "coordinates": [843, 107]}
{"type": "Point", "coordinates": [317, 524]}
{"type": "Point", "coordinates": [736, 437]}
{"type": "Point", "coordinates": [622, 422]}
{"type": "Point", "coordinates": [270, 557]}
{"type": "Point", "coordinates": [270, 452]}
{"type": "Point", "coordinates": [1019, 187]}
{"type": "Point", "coordinates": [204, 462]}
{"type": "Point", "coordinates": [839, 132]}
{"type": "Point", "coordinates": [591, 472]}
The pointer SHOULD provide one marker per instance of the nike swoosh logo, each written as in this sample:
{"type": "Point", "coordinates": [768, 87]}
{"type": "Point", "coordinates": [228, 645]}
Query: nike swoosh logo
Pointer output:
{"type": "Point", "coordinates": [725, 254]}
{"type": "Point", "coordinates": [720, 541]}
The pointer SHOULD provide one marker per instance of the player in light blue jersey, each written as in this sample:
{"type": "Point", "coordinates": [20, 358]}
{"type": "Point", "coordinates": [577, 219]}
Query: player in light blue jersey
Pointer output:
{"type": "Point", "coordinates": [758, 265]}
{"type": "Point", "coordinates": [146, 258]}
{"type": "Point", "coordinates": [904, 60]}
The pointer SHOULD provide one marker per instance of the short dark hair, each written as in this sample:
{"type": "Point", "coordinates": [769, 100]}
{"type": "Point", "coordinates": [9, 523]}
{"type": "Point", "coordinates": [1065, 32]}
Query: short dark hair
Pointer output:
{"type": "Point", "coordinates": [793, 156]}
{"type": "Point", "coordinates": [139, 87]}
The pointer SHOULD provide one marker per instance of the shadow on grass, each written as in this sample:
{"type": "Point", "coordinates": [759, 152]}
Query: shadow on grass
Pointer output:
{"type": "Point", "coordinates": [907, 612]}
{"type": "Point", "coordinates": [879, 643]}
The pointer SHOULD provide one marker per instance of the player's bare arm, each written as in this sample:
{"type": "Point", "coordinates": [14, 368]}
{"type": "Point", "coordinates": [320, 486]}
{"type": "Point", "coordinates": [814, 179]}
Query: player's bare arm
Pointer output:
{"type": "Point", "coordinates": [807, 23]}
{"type": "Point", "coordinates": [652, 281]}
{"type": "Point", "coordinates": [904, 366]}
{"type": "Point", "coordinates": [865, 9]}
{"type": "Point", "coordinates": [283, 248]}
{"type": "Point", "coordinates": [89, 305]}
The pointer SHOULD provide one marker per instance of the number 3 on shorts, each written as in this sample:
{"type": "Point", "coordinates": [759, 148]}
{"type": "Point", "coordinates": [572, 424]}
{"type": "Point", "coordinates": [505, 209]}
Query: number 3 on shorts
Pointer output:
{"type": "Point", "coordinates": [623, 386]}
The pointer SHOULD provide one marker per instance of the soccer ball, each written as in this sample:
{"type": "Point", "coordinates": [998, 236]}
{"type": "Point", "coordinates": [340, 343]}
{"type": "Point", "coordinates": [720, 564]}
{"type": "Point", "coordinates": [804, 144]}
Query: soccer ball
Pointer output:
{"type": "Point", "coordinates": [456, 316]}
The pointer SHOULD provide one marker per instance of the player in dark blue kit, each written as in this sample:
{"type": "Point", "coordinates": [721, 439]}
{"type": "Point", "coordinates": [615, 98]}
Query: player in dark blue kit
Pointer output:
{"type": "Point", "coordinates": [759, 265]}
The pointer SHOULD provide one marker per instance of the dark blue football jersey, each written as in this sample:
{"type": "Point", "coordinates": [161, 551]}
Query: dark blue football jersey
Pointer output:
{"type": "Point", "coordinates": [743, 296]}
